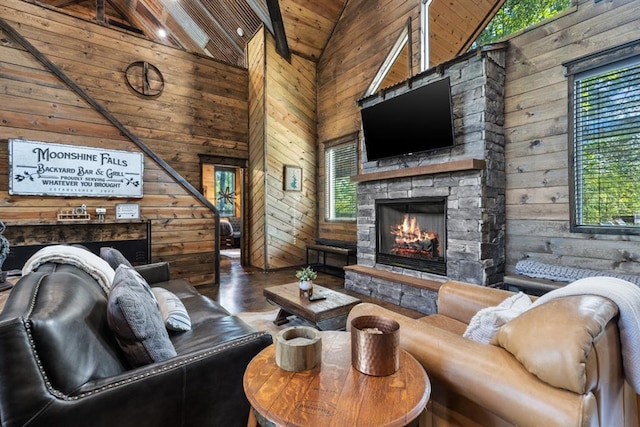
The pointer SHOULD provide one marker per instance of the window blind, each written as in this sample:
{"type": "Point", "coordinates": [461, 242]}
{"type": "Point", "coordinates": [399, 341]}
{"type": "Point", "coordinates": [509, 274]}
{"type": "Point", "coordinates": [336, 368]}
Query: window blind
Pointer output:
{"type": "Point", "coordinates": [607, 145]}
{"type": "Point", "coordinates": [341, 162]}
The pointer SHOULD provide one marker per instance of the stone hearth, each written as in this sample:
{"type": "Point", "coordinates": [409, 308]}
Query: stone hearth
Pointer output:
{"type": "Point", "coordinates": [469, 175]}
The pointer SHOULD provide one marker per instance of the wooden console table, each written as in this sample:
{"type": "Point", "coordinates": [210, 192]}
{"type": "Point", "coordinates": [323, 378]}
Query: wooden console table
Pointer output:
{"type": "Point", "coordinates": [131, 237]}
{"type": "Point", "coordinates": [334, 393]}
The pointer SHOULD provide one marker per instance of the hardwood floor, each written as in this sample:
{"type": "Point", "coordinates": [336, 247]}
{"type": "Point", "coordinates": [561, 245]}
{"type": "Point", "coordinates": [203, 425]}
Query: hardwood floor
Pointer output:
{"type": "Point", "coordinates": [241, 288]}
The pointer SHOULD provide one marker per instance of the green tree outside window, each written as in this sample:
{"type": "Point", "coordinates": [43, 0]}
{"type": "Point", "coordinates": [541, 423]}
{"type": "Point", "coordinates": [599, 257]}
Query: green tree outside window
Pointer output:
{"type": "Point", "coordinates": [515, 15]}
{"type": "Point", "coordinates": [341, 162]}
{"type": "Point", "coordinates": [225, 184]}
{"type": "Point", "coordinates": [607, 145]}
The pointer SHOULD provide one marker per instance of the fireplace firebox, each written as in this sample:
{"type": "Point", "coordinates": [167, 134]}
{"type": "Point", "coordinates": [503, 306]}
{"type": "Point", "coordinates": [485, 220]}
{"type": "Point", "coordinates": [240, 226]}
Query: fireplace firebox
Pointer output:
{"type": "Point", "coordinates": [411, 233]}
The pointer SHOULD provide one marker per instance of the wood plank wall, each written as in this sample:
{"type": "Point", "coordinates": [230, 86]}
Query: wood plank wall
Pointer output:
{"type": "Point", "coordinates": [291, 140]}
{"type": "Point", "coordinates": [537, 142]}
{"type": "Point", "coordinates": [203, 110]}
{"type": "Point", "coordinates": [361, 41]}
{"type": "Point", "coordinates": [288, 124]}
{"type": "Point", "coordinates": [256, 59]}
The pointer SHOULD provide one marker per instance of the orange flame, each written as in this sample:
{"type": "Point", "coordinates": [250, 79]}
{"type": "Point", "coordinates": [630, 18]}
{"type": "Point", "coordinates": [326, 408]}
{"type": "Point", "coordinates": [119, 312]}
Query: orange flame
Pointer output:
{"type": "Point", "coordinates": [409, 232]}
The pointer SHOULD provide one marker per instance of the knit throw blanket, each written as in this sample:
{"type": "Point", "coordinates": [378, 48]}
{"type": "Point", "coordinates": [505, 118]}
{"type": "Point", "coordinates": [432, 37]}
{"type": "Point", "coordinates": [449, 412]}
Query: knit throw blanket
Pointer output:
{"type": "Point", "coordinates": [92, 264]}
{"type": "Point", "coordinates": [561, 273]}
{"type": "Point", "coordinates": [627, 296]}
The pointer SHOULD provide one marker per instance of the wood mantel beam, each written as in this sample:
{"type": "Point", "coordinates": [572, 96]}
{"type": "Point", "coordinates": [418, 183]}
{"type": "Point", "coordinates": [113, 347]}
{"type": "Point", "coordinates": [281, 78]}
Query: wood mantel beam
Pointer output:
{"type": "Point", "coordinates": [453, 166]}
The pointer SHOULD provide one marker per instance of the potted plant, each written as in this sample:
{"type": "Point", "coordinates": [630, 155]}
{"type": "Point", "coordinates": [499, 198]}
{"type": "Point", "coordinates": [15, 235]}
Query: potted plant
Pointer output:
{"type": "Point", "coordinates": [4, 251]}
{"type": "Point", "coordinates": [306, 277]}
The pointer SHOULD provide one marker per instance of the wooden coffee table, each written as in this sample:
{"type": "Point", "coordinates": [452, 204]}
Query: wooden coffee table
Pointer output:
{"type": "Point", "coordinates": [334, 393]}
{"type": "Point", "coordinates": [327, 314]}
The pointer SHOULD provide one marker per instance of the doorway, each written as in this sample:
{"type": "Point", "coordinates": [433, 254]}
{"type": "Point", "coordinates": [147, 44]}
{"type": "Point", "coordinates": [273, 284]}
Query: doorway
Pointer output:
{"type": "Point", "coordinates": [223, 183]}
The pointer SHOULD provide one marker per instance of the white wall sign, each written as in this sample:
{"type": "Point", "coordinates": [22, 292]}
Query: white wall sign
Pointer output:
{"type": "Point", "coordinates": [128, 211]}
{"type": "Point", "coordinates": [40, 168]}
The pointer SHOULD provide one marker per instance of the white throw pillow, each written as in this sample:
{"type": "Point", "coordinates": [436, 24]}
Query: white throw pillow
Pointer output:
{"type": "Point", "coordinates": [173, 311]}
{"type": "Point", "coordinates": [486, 322]}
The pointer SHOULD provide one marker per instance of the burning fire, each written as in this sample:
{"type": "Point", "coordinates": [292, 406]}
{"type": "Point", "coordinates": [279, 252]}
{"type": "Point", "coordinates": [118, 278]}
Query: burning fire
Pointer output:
{"type": "Point", "coordinates": [410, 240]}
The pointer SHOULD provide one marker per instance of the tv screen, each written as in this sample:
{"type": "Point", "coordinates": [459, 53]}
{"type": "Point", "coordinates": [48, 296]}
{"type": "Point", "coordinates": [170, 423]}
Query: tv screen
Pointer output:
{"type": "Point", "coordinates": [416, 121]}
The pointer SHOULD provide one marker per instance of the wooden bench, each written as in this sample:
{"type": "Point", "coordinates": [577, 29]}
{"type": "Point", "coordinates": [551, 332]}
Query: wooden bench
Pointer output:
{"type": "Point", "coordinates": [345, 251]}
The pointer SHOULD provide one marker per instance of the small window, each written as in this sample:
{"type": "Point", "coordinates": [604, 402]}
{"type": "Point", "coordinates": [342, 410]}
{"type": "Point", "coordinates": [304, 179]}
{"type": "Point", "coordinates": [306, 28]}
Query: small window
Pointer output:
{"type": "Point", "coordinates": [341, 162]}
{"type": "Point", "coordinates": [225, 186]}
{"type": "Point", "coordinates": [606, 148]}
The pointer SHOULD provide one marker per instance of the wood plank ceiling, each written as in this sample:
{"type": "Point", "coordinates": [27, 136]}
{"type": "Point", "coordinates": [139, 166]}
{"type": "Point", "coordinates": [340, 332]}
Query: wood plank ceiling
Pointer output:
{"type": "Point", "coordinates": [221, 28]}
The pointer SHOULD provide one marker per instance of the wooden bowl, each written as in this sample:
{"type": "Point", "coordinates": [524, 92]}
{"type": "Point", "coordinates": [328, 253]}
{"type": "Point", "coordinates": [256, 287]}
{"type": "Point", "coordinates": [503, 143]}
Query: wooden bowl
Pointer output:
{"type": "Point", "coordinates": [298, 348]}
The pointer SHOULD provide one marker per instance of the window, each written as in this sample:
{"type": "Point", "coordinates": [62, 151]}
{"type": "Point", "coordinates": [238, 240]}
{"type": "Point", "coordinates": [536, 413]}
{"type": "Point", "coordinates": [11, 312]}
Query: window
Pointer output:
{"type": "Point", "coordinates": [341, 162]}
{"type": "Point", "coordinates": [606, 147]}
{"type": "Point", "coordinates": [225, 185]}
{"type": "Point", "coordinates": [424, 34]}
{"type": "Point", "coordinates": [397, 65]}
{"type": "Point", "coordinates": [516, 15]}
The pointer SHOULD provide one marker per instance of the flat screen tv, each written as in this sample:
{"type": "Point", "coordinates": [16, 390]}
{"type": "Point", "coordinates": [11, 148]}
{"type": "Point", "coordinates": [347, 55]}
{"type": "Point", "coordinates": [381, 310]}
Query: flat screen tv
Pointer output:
{"type": "Point", "coordinates": [416, 121]}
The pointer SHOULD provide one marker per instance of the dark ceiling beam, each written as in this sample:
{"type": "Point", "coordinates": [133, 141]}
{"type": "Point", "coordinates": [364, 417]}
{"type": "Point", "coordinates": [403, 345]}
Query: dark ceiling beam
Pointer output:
{"type": "Point", "coordinates": [282, 47]}
{"type": "Point", "coordinates": [63, 3]}
{"type": "Point", "coordinates": [100, 13]}
{"type": "Point", "coordinates": [129, 26]}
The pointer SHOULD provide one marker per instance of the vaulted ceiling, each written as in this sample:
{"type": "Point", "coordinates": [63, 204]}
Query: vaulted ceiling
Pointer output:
{"type": "Point", "coordinates": [221, 28]}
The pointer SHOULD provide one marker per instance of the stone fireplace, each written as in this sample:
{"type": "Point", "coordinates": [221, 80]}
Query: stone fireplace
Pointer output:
{"type": "Point", "coordinates": [427, 218]}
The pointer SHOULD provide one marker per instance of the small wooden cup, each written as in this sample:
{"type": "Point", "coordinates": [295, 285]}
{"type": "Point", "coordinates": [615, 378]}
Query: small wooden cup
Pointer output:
{"type": "Point", "coordinates": [298, 348]}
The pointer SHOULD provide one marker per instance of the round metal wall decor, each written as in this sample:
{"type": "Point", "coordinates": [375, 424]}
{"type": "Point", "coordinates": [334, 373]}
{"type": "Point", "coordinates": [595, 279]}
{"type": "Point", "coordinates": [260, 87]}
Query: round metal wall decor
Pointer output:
{"type": "Point", "coordinates": [144, 78]}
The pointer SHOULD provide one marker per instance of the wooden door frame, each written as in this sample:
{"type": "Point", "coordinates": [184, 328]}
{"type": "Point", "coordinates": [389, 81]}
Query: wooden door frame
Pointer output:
{"type": "Point", "coordinates": [243, 165]}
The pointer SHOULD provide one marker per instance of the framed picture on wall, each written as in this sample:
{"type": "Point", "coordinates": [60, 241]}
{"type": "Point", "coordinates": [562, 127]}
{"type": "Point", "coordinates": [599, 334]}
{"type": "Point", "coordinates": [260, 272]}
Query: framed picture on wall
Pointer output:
{"type": "Point", "coordinates": [292, 178]}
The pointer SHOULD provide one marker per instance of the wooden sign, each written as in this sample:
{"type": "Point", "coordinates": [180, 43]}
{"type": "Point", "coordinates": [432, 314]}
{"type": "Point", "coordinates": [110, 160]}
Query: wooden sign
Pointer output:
{"type": "Point", "coordinates": [40, 168]}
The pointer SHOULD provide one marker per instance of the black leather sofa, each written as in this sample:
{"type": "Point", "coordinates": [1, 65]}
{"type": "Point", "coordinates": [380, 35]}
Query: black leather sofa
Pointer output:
{"type": "Point", "coordinates": [60, 364]}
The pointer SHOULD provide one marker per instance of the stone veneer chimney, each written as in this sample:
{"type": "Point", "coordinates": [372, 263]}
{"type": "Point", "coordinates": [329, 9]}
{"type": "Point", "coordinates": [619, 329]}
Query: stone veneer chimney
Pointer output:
{"type": "Point", "coordinates": [471, 175]}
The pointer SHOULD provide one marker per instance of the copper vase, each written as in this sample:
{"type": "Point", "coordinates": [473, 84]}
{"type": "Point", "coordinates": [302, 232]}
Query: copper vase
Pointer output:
{"type": "Point", "coordinates": [375, 343]}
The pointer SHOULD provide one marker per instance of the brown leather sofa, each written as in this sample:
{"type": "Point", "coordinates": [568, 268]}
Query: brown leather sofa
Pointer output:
{"type": "Point", "coordinates": [60, 364]}
{"type": "Point", "coordinates": [475, 384]}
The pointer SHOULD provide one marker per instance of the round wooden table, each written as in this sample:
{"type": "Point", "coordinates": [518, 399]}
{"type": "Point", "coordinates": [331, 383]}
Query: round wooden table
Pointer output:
{"type": "Point", "coordinates": [334, 393]}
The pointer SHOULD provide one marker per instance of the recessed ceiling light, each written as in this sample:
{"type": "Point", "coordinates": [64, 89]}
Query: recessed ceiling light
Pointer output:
{"type": "Point", "coordinates": [240, 32]}
{"type": "Point", "coordinates": [162, 33]}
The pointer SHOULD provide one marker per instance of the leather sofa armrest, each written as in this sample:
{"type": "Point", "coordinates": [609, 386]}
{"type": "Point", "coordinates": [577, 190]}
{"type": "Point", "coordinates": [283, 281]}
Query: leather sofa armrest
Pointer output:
{"type": "Point", "coordinates": [200, 388]}
{"type": "Point", "coordinates": [155, 272]}
{"type": "Point", "coordinates": [487, 375]}
{"type": "Point", "coordinates": [180, 363]}
{"type": "Point", "coordinates": [461, 301]}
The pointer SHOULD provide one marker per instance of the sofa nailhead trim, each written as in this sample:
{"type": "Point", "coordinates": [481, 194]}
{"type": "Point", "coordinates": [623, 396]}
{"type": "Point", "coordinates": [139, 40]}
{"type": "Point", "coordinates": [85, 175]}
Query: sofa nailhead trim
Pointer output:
{"type": "Point", "coordinates": [58, 394]}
